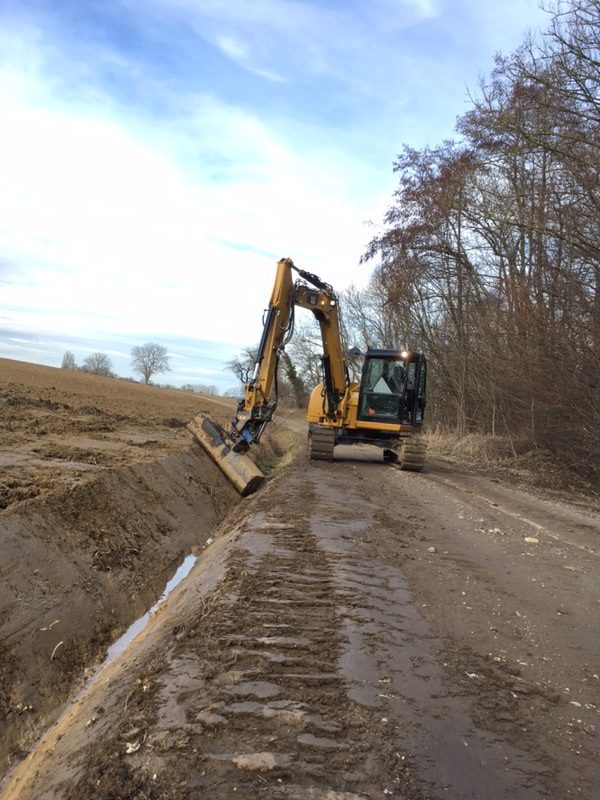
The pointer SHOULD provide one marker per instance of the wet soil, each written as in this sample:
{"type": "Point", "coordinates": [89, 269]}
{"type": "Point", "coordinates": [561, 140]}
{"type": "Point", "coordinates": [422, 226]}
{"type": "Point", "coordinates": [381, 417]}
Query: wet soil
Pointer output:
{"type": "Point", "coordinates": [356, 632]}
{"type": "Point", "coordinates": [102, 493]}
{"type": "Point", "coordinates": [59, 427]}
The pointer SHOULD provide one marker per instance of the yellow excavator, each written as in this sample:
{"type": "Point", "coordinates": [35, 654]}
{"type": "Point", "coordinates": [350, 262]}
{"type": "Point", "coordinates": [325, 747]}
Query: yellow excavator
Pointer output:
{"type": "Point", "coordinates": [385, 409]}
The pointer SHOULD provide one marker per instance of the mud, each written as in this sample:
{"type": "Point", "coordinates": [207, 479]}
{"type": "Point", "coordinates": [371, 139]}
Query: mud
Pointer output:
{"type": "Point", "coordinates": [103, 493]}
{"type": "Point", "coordinates": [355, 632]}
{"type": "Point", "coordinates": [58, 427]}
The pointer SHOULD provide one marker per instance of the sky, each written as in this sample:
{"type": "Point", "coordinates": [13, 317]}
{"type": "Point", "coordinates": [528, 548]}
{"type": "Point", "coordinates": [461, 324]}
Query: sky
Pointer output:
{"type": "Point", "coordinates": [157, 157]}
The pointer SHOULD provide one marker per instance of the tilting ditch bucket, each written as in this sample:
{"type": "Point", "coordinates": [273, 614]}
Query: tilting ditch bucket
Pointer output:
{"type": "Point", "coordinates": [239, 468]}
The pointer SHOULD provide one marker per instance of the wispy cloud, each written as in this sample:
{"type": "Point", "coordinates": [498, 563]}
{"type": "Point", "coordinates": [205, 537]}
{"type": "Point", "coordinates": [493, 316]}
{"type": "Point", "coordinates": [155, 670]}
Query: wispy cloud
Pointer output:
{"type": "Point", "coordinates": [289, 40]}
{"type": "Point", "coordinates": [239, 52]}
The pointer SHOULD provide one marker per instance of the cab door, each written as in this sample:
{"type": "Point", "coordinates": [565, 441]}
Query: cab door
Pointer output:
{"type": "Point", "coordinates": [416, 391]}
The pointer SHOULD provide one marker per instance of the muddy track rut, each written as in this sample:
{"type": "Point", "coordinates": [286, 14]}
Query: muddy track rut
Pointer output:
{"type": "Point", "coordinates": [319, 650]}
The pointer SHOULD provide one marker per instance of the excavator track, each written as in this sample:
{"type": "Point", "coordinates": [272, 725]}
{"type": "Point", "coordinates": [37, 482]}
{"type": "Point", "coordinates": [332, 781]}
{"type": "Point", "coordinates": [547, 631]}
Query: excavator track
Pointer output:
{"type": "Point", "coordinates": [412, 453]}
{"type": "Point", "coordinates": [321, 442]}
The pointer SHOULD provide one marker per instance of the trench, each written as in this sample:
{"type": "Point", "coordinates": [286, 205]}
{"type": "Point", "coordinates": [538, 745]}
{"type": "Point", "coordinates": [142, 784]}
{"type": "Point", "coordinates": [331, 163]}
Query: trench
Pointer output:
{"type": "Point", "coordinates": [116, 649]}
{"type": "Point", "coordinates": [136, 627]}
{"type": "Point", "coordinates": [62, 610]}
{"type": "Point", "coordinates": [106, 558]}
{"type": "Point", "coordinates": [119, 646]}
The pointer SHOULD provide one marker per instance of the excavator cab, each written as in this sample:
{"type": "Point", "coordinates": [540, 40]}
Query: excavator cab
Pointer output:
{"type": "Point", "coordinates": [392, 387]}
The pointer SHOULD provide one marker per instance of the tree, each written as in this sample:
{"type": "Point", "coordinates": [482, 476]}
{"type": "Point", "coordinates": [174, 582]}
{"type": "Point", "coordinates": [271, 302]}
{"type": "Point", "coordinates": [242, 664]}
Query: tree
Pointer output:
{"type": "Point", "coordinates": [242, 366]}
{"type": "Point", "coordinates": [287, 387]}
{"type": "Point", "coordinates": [149, 359]}
{"type": "Point", "coordinates": [490, 256]}
{"type": "Point", "coordinates": [306, 350]}
{"type": "Point", "coordinates": [98, 364]}
{"type": "Point", "coordinates": [68, 361]}
{"type": "Point", "coordinates": [299, 393]}
{"type": "Point", "coordinates": [201, 388]}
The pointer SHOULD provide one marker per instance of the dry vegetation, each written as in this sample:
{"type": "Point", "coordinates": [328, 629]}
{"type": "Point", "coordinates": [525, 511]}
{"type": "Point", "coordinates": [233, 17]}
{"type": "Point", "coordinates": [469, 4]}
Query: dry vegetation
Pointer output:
{"type": "Point", "coordinates": [519, 461]}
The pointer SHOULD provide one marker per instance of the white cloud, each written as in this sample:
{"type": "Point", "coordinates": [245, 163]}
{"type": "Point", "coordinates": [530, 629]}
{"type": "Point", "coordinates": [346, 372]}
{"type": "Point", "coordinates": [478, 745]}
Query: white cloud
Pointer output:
{"type": "Point", "coordinates": [232, 47]}
{"type": "Point", "coordinates": [240, 53]}
{"type": "Point", "coordinates": [116, 226]}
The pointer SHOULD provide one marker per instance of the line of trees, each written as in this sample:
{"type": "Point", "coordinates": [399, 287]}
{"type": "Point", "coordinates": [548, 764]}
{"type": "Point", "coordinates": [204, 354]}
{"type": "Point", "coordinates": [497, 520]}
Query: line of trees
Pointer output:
{"type": "Point", "coordinates": [147, 360]}
{"type": "Point", "coordinates": [96, 364]}
{"type": "Point", "coordinates": [490, 256]}
{"type": "Point", "coordinates": [202, 388]}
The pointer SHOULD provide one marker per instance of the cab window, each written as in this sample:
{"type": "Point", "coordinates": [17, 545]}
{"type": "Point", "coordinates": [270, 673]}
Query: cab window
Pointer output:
{"type": "Point", "coordinates": [383, 386]}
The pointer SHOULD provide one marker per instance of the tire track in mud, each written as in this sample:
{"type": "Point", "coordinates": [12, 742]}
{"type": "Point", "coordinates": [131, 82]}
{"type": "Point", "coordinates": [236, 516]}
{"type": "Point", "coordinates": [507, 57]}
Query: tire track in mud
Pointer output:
{"type": "Point", "coordinates": [271, 716]}
{"type": "Point", "coordinates": [395, 664]}
{"type": "Point", "coordinates": [249, 699]}
{"type": "Point", "coordinates": [322, 679]}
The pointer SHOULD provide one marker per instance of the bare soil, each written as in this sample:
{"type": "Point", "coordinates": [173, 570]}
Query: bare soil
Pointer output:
{"type": "Point", "coordinates": [354, 632]}
{"type": "Point", "coordinates": [102, 493]}
{"type": "Point", "coordinates": [57, 427]}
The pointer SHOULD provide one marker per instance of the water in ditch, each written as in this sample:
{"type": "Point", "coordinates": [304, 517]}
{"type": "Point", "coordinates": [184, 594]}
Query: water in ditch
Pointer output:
{"type": "Point", "coordinates": [138, 626]}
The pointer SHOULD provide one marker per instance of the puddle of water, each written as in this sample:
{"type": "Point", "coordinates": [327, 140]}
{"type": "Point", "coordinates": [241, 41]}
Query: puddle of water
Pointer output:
{"type": "Point", "coordinates": [136, 627]}
{"type": "Point", "coordinates": [320, 741]}
{"type": "Point", "coordinates": [285, 641]}
{"type": "Point", "coordinates": [253, 762]}
{"type": "Point", "coordinates": [113, 651]}
{"type": "Point", "coordinates": [258, 689]}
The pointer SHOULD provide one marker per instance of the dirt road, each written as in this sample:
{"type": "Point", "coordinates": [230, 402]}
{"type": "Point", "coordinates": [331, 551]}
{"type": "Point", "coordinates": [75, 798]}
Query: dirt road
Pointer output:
{"type": "Point", "coordinates": [357, 632]}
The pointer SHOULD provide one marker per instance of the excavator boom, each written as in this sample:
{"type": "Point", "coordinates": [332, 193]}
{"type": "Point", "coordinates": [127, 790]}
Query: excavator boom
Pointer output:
{"type": "Point", "coordinates": [255, 410]}
{"type": "Point", "coordinates": [260, 392]}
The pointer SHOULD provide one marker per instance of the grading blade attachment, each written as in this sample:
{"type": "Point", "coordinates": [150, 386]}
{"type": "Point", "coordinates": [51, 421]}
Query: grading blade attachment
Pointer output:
{"type": "Point", "coordinates": [239, 468]}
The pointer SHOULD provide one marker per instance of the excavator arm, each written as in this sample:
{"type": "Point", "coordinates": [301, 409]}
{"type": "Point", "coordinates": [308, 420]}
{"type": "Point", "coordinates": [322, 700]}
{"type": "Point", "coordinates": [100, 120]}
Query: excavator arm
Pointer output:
{"type": "Point", "coordinates": [255, 410]}
{"type": "Point", "coordinates": [260, 392]}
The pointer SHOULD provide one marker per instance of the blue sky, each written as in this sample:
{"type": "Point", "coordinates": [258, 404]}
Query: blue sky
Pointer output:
{"type": "Point", "coordinates": [158, 156]}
